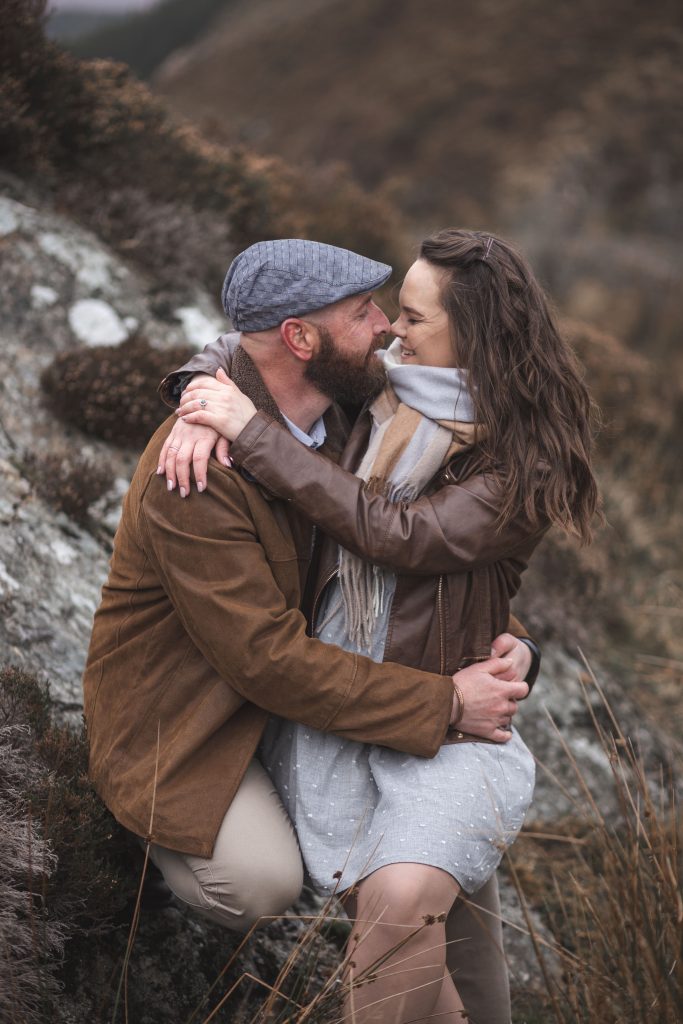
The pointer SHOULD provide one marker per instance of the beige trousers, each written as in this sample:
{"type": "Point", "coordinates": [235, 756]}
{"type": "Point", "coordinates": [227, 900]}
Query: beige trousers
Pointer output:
{"type": "Point", "coordinates": [256, 872]}
{"type": "Point", "coordinates": [256, 868]}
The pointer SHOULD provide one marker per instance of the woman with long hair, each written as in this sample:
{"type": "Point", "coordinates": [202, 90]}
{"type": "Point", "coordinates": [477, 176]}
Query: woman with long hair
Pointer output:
{"type": "Point", "coordinates": [479, 443]}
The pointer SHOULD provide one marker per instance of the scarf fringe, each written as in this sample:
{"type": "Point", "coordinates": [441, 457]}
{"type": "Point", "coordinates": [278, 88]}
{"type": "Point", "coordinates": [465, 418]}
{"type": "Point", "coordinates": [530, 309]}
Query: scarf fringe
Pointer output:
{"type": "Point", "coordinates": [362, 584]}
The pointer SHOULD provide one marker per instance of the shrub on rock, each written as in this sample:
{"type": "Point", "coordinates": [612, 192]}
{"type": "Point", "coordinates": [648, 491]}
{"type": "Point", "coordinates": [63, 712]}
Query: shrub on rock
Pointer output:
{"type": "Point", "coordinates": [68, 481]}
{"type": "Point", "coordinates": [66, 870]}
{"type": "Point", "coordinates": [110, 391]}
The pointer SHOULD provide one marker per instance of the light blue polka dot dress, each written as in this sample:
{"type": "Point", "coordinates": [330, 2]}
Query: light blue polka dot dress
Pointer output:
{"type": "Point", "coordinates": [357, 807]}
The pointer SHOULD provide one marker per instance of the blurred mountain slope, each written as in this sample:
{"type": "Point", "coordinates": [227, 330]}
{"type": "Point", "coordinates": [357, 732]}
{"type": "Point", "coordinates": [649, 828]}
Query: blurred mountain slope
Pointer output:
{"type": "Point", "coordinates": [144, 39]}
{"type": "Point", "coordinates": [98, 144]}
{"type": "Point", "coordinates": [444, 94]}
{"type": "Point", "coordinates": [72, 25]}
{"type": "Point", "coordinates": [555, 124]}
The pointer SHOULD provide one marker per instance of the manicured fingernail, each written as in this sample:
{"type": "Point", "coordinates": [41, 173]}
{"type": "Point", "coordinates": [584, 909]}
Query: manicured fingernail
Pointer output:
{"type": "Point", "coordinates": [183, 492]}
{"type": "Point", "coordinates": [170, 485]}
{"type": "Point", "coordinates": [200, 487]}
{"type": "Point", "coordinates": [227, 462]}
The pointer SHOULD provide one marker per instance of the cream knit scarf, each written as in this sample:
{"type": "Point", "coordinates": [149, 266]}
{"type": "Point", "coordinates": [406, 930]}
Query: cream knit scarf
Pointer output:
{"type": "Point", "coordinates": [421, 419]}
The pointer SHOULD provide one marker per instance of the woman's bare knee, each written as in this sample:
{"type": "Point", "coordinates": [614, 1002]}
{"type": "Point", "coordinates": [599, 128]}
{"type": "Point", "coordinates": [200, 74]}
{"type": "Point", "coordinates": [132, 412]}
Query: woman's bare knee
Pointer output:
{"type": "Point", "coordinates": [406, 894]}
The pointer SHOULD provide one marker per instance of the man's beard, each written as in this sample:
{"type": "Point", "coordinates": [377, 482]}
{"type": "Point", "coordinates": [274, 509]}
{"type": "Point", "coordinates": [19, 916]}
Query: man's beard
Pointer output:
{"type": "Point", "coordinates": [350, 380]}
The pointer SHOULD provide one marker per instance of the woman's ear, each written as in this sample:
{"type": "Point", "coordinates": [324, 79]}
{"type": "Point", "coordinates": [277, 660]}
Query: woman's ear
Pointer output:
{"type": "Point", "coordinates": [300, 337]}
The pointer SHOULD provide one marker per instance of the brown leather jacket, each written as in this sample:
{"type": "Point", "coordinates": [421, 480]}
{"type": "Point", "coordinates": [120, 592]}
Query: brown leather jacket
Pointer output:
{"type": "Point", "coordinates": [456, 570]}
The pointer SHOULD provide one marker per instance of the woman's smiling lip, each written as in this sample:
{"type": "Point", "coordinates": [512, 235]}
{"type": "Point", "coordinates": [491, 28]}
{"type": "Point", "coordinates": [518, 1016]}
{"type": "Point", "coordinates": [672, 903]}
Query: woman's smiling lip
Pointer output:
{"type": "Point", "coordinates": [407, 353]}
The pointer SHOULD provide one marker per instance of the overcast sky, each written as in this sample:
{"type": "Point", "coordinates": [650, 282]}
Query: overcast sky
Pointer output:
{"type": "Point", "coordinates": [100, 5]}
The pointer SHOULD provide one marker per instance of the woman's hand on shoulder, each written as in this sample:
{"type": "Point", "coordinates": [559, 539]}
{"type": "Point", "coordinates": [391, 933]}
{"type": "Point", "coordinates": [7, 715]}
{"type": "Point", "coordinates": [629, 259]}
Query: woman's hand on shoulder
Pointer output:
{"type": "Point", "coordinates": [489, 699]}
{"type": "Point", "coordinates": [218, 404]}
{"type": "Point", "coordinates": [189, 445]}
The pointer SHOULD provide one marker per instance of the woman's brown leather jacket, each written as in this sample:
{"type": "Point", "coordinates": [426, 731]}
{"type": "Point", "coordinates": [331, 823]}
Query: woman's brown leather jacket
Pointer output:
{"type": "Point", "coordinates": [457, 572]}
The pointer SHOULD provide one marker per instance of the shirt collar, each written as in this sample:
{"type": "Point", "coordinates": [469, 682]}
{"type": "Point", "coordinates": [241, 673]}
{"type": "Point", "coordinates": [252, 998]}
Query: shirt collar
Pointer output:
{"type": "Point", "coordinates": [315, 439]}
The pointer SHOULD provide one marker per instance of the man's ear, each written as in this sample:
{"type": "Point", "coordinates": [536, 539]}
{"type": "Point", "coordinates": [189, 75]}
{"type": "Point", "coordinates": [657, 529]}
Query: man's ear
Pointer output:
{"type": "Point", "coordinates": [300, 337]}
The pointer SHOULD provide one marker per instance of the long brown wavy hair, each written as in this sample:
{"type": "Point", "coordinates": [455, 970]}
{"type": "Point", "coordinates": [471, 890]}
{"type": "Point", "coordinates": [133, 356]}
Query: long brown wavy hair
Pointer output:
{"type": "Point", "coordinates": [527, 386]}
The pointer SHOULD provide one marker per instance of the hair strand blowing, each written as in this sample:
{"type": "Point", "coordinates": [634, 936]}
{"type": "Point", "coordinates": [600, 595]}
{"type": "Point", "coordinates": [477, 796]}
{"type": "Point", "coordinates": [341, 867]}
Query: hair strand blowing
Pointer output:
{"type": "Point", "coordinates": [531, 403]}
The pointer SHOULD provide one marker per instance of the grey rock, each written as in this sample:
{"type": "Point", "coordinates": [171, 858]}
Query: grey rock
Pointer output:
{"type": "Point", "coordinates": [55, 280]}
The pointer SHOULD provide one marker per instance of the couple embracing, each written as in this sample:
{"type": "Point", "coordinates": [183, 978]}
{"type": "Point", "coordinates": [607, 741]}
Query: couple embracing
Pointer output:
{"type": "Point", "coordinates": [308, 665]}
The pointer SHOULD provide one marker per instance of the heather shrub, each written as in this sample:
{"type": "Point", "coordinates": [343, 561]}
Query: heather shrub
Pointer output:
{"type": "Point", "coordinates": [66, 870]}
{"type": "Point", "coordinates": [29, 943]}
{"type": "Point", "coordinates": [68, 890]}
{"type": "Point", "coordinates": [67, 480]}
{"type": "Point", "coordinates": [628, 388]}
{"type": "Point", "coordinates": [88, 883]}
{"type": "Point", "coordinates": [110, 391]}
{"type": "Point", "coordinates": [152, 186]}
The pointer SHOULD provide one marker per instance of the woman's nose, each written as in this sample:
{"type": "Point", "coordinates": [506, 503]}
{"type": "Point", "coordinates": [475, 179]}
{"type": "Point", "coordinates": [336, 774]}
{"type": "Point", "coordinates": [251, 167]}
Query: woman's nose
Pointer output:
{"type": "Point", "coordinates": [397, 327]}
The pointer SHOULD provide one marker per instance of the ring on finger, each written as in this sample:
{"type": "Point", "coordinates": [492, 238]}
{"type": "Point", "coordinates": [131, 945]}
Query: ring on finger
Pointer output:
{"type": "Point", "coordinates": [203, 403]}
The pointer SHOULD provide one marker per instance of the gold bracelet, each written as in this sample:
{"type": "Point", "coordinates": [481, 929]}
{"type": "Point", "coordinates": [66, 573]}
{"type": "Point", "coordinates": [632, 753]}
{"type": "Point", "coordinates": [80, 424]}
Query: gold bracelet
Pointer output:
{"type": "Point", "coordinates": [461, 705]}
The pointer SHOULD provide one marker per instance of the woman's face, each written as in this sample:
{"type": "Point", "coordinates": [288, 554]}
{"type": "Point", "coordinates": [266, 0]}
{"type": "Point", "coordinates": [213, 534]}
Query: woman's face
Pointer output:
{"type": "Point", "coordinates": [422, 324]}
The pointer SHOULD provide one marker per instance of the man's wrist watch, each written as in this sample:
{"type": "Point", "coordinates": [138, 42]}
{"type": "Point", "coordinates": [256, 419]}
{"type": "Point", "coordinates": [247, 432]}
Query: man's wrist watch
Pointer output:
{"type": "Point", "coordinates": [535, 667]}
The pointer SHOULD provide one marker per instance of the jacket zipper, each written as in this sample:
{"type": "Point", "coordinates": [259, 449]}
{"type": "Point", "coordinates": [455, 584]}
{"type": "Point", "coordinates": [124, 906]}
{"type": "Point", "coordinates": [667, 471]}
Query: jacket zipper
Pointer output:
{"type": "Point", "coordinates": [442, 626]}
{"type": "Point", "coordinates": [316, 601]}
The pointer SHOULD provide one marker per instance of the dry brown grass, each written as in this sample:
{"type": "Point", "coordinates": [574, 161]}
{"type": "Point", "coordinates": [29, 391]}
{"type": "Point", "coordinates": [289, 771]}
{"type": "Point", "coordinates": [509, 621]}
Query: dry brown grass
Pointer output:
{"type": "Point", "coordinates": [609, 889]}
{"type": "Point", "coordinates": [612, 895]}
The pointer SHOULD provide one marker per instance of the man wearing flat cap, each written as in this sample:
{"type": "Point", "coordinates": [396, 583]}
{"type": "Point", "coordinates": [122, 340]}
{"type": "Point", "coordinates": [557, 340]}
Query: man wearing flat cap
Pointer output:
{"type": "Point", "coordinates": [199, 636]}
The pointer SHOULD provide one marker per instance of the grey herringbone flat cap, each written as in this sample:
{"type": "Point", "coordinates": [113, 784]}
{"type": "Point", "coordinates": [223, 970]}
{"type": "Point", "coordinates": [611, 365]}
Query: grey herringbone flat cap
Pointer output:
{"type": "Point", "coordinates": [271, 281]}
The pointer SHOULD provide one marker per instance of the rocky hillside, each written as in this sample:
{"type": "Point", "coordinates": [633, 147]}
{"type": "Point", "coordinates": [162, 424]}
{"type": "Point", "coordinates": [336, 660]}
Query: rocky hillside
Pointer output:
{"type": "Point", "coordinates": [116, 222]}
{"type": "Point", "coordinates": [64, 290]}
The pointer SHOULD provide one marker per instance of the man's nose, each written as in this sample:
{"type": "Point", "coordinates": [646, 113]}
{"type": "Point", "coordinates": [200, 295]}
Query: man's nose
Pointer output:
{"type": "Point", "coordinates": [382, 324]}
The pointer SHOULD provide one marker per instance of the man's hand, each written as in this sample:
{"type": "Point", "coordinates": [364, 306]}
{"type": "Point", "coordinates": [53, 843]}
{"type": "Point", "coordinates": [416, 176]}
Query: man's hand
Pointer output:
{"type": "Point", "coordinates": [508, 646]}
{"type": "Point", "coordinates": [490, 699]}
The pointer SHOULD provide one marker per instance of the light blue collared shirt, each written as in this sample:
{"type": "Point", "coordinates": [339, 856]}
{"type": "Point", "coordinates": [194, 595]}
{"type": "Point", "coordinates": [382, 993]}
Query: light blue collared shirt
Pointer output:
{"type": "Point", "coordinates": [315, 439]}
